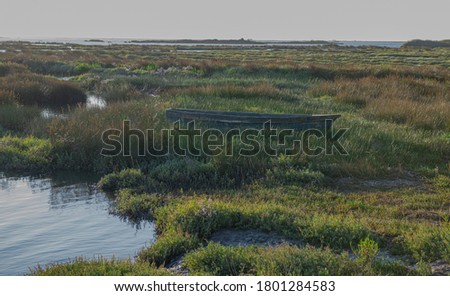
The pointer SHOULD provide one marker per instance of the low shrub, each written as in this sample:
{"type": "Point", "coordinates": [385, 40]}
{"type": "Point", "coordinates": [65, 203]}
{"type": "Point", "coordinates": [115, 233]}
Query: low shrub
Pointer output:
{"type": "Point", "coordinates": [32, 89]}
{"type": "Point", "coordinates": [428, 243]}
{"type": "Point", "coordinates": [168, 248]}
{"type": "Point", "coordinates": [127, 178]}
{"type": "Point", "coordinates": [30, 154]}
{"type": "Point", "coordinates": [82, 68]}
{"type": "Point", "coordinates": [138, 206]}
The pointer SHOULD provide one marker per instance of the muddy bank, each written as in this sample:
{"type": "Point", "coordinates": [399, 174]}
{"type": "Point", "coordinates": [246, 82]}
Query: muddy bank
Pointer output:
{"type": "Point", "coordinates": [242, 238]}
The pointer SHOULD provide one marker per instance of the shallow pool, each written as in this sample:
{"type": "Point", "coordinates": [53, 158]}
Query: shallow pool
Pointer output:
{"type": "Point", "coordinates": [53, 220]}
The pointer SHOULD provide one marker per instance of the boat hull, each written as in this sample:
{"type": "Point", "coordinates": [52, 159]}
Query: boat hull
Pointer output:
{"type": "Point", "coordinates": [250, 120]}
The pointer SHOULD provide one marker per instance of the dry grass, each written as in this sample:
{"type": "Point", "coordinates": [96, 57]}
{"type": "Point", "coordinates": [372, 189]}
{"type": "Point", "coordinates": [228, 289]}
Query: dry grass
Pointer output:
{"type": "Point", "coordinates": [77, 139]}
{"type": "Point", "coordinates": [423, 103]}
{"type": "Point", "coordinates": [262, 90]}
{"type": "Point", "coordinates": [21, 87]}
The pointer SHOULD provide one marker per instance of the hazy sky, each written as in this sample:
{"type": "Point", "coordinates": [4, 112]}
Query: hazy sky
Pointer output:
{"type": "Point", "coordinates": [278, 19]}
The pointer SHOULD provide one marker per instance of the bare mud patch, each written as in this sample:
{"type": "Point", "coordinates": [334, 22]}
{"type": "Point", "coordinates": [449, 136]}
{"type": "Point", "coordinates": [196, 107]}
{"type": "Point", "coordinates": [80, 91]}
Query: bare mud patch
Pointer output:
{"type": "Point", "coordinates": [355, 185]}
{"type": "Point", "coordinates": [237, 237]}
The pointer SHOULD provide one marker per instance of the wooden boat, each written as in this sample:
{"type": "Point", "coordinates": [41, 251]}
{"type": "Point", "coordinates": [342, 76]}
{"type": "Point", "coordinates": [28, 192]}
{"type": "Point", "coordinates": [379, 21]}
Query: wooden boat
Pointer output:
{"type": "Point", "coordinates": [227, 120]}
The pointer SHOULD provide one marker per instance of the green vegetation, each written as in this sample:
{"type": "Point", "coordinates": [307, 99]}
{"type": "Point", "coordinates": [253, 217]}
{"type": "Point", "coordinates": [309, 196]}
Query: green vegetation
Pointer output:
{"type": "Point", "coordinates": [30, 155]}
{"type": "Point", "coordinates": [129, 178]}
{"type": "Point", "coordinates": [18, 86]}
{"type": "Point", "coordinates": [138, 206]}
{"type": "Point", "coordinates": [427, 43]}
{"type": "Point", "coordinates": [216, 259]}
{"type": "Point", "coordinates": [389, 195]}
{"type": "Point", "coordinates": [99, 266]}
{"type": "Point", "coordinates": [85, 67]}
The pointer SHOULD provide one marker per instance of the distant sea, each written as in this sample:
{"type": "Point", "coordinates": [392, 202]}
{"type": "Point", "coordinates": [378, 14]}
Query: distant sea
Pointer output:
{"type": "Point", "coordinates": [391, 44]}
{"type": "Point", "coordinates": [106, 41]}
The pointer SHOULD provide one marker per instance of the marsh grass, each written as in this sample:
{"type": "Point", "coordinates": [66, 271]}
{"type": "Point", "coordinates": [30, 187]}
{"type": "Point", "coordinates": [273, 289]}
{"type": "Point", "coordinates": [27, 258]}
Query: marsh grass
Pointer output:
{"type": "Point", "coordinates": [22, 87]}
{"type": "Point", "coordinates": [284, 260]}
{"type": "Point", "coordinates": [201, 217]}
{"type": "Point", "coordinates": [30, 155]}
{"type": "Point", "coordinates": [18, 118]}
{"type": "Point", "coordinates": [128, 178]}
{"type": "Point", "coordinates": [119, 91]}
{"type": "Point", "coordinates": [321, 219]}
{"type": "Point", "coordinates": [422, 103]}
{"type": "Point", "coordinates": [138, 207]}
{"type": "Point", "coordinates": [98, 267]}
{"type": "Point", "coordinates": [168, 248]}
{"type": "Point", "coordinates": [77, 139]}
{"type": "Point", "coordinates": [395, 103]}
{"type": "Point", "coordinates": [230, 91]}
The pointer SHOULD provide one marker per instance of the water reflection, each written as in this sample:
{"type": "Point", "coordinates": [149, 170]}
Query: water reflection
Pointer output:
{"type": "Point", "coordinates": [52, 113]}
{"type": "Point", "coordinates": [92, 102]}
{"type": "Point", "coordinates": [47, 220]}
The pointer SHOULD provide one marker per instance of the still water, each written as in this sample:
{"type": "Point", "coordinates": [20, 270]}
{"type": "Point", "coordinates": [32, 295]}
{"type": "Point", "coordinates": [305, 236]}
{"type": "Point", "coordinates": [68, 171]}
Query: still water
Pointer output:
{"type": "Point", "coordinates": [92, 102]}
{"type": "Point", "coordinates": [53, 220]}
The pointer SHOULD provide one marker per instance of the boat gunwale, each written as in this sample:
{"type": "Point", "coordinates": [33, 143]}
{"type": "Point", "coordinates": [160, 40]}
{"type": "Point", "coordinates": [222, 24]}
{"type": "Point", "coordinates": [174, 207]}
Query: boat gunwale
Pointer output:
{"type": "Point", "coordinates": [245, 117]}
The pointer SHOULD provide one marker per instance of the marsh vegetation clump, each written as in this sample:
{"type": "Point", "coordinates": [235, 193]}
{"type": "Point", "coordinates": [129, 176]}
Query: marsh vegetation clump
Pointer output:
{"type": "Point", "coordinates": [284, 260]}
{"type": "Point", "coordinates": [98, 267]}
{"type": "Point", "coordinates": [427, 43]}
{"type": "Point", "coordinates": [128, 178]}
{"type": "Point", "coordinates": [422, 103]}
{"type": "Point", "coordinates": [19, 86]}
{"type": "Point", "coordinates": [29, 154]}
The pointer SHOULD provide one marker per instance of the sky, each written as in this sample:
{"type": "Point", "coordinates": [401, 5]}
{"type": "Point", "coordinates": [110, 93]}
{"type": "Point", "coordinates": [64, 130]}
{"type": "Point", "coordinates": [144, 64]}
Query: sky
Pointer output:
{"type": "Point", "coordinates": [229, 19]}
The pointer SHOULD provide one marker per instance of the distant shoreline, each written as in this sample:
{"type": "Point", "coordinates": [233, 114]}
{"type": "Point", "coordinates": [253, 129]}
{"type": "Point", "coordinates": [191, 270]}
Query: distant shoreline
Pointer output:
{"type": "Point", "coordinates": [207, 42]}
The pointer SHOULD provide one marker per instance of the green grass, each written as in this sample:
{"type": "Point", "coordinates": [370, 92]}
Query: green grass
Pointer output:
{"type": "Point", "coordinates": [202, 217]}
{"type": "Point", "coordinates": [99, 267]}
{"type": "Point", "coordinates": [215, 259]}
{"type": "Point", "coordinates": [138, 206]}
{"type": "Point", "coordinates": [168, 248]}
{"type": "Point", "coordinates": [129, 178]}
{"type": "Point", "coordinates": [30, 155]}
{"type": "Point", "coordinates": [323, 219]}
